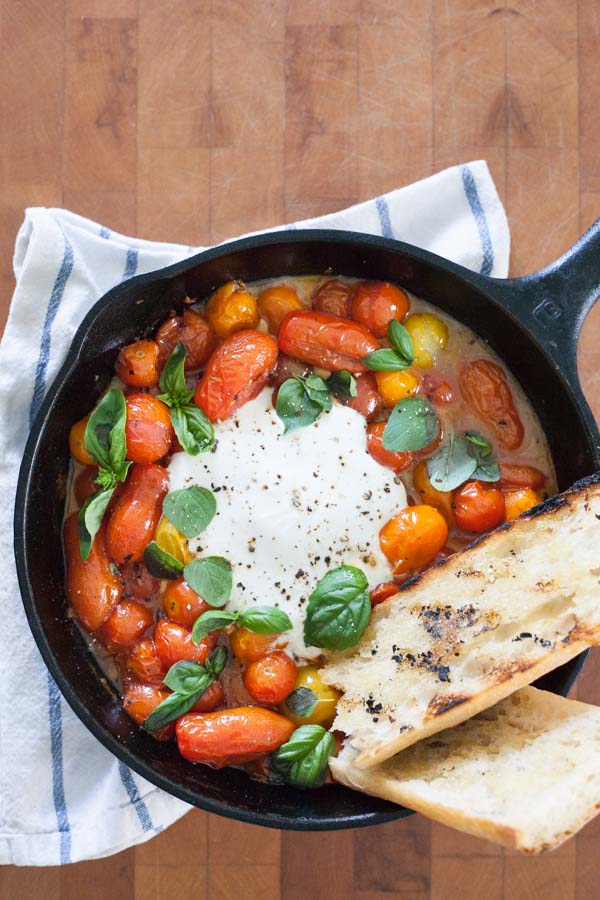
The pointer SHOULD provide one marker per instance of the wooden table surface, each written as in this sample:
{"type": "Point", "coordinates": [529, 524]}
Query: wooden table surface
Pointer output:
{"type": "Point", "coordinates": [194, 120]}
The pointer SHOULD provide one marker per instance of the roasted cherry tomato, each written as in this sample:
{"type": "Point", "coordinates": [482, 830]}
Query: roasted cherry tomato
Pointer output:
{"type": "Point", "coordinates": [428, 494]}
{"type": "Point", "coordinates": [522, 476]}
{"type": "Point", "coordinates": [276, 302]}
{"type": "Point", "coordinates": [211, 698]}
{"type": "Point", "coordinates": [232, 308]}
{"type": "Point", "coordinates": [478, 506]}
{"type": "Point", "coordinates": [248, 645]}
{"type": "Point", "coordinates": [133, 521]}
{"type": "Point", "coordinates": [182, 604]}
{"type": "Point", "coordinates": [125, 625]}
{"type": "Point", "coordinates": [173, 541]}
{"type": "Point", "coordinates": [395, 460]}
{"type": "Point", "coordinates": [271, 678]}
{"type": "Point", "coordinates": [367, 401]}
{"type": "Point", "coordinates": [333, 297]}
{"type": "Point", "coordinates": [84, 484]}
{"type": "Point", "coordinates": [429, 335]}
{"type": "Point", "coordinates": [413, 537]}
{"type": "Point", "coordinates": [376, 303]}
{"type": "Point", "coordinates": [437, 391]}
{"type": "Point", "coordinates": [231, 736]}
{"type": "Point", "coordinates": [484, 386]}
{"type": "Point", "coordinates": [194, 332]}
{"type": "Point", "coordinates": [93, 589]}
{"type": "Point", "coordinates": [77, 445]}
{"type": "Point", "coordinates": [143, 662]}
{"type": "Point", "coordinates": [325, 698]}
{"type": "Point", "coordinates": [382, 592]}
{"type": "Point", "coordinates": [518, 500]}
{"type": "Point", "coordinates": [327, 341]}
{"type": "Point", "coordinates": [396, 386]}
{"type": "Point", "coordinates": [174, 642]}
{"type": "Point", "coordinates": [137, 364]}
{"type": "Point", "coordinates": [148, 430]}
{"type": "Point", "coordinates": [236, 372]}
{"type": "Point", "coordinates": [140, 700]}
{"type": "Point", "coordinates": [138, 582]}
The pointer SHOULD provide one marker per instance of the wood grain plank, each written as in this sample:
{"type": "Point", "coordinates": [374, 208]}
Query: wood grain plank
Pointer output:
{"type": "Point", "coordinates": [551, 877]}
{"type": "Point", "coordinates": [448, 842]}
{"type": "Point", "coordinates": [457, 878]}
{"type": "Point", "coordinates": [29, 883]}
{"type": "Point", "coordinates": [394, 859]}
{"type": "Point", "coordinates": [317, 866]}
{"type": "Point", "coordinates": [589, 87]}
{"type": "Point", "coordinates": [174, 864]}
{"type": "Point", "coordinates": [173, 194]}
{"type": "Point", "coordinates": [98, 879]}
{"type": "Point", "coordinates": [115, 209]}
{"type": "Point", "coordinates": [243, 860]}
{"type": "Point", "coordinates": [323, 12]}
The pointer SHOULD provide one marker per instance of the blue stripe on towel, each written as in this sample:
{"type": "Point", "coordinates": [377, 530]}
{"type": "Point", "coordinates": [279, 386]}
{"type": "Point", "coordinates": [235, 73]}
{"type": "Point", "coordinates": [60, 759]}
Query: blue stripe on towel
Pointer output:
{"type": "Point", "coordinates": [134, 795]}
{"type": "Point", "coordinates": [470, 186]}
{"type": "Point", "coordinates": [131, 263]}
{"type": "Point", "coordinates": [104, 232]}
{"type": "Point", "coordinates": [383, 211]}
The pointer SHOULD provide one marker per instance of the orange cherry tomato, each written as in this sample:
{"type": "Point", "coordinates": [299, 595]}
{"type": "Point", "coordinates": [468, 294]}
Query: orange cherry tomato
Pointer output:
{"type": "Point", "coordinates": [174, 642]}
{"type": "Point", "coordinates": [93, 590]}
{"type": "Point", "coordinates": [271, 678]}
{"type": "Point", "coordinates": [382, 592]}
{"type": "Point", "coordinates": [77, 445]}
{"type": "Point", "coordinates": [395, 460]}
{"type": "Point", "coordinates": [333, 297]}
{"type": "Point", "coordinates": [133, 521]}
{"type": "Point", "coordinates": [396, 386]}
{"type": "Point", "coordinates": [367, 401]}
{"type": "Point", "coordinates": [182, 604]}
{"type": "Point", "coordinates": [126, 623]}
{"type": "Point", "coordinates": [143, 662]}
{"type": "Point", "coordinates": [232, 308]}
{"type": "Point", "coordinates": [376, 303]}
{"type": "Point", "coordinates": [522, 476]}
{"type": "Point", "coordinates": [236, 372]}
{"type": "Point", "coordinates": [413, 537]}
{"type": "Point", "coordinates": [276, 302]}
{"type": "Point", "coordinates": [211, 698]}
{"type": "Point", "coordinates": [138, 364]}
{"type": "Point", "coordinates": [478, 506]}
{"type": "Point", "coordinates": [194, 332]}
{"type": "Point", "coordinates": [148, 429]}
{"type": "Point", "coordinates": [327, 341]}
{"type": "Point", "coordinates": [485, 388]}
{"type": "Point", "coordinates": [84, 485]}
{"type": "Point", "coordinates": [248, 645]}
{"type": "Point", "coordinates": [231, 736]}
{"type": "Point", "coordinates": [140, 700]}
{"type": "Point", "coordinates": [440, 500]}
{"type": "Point", "coordinates": [138, 582]}
{"type": "Point", "coordinates": [519, 500]}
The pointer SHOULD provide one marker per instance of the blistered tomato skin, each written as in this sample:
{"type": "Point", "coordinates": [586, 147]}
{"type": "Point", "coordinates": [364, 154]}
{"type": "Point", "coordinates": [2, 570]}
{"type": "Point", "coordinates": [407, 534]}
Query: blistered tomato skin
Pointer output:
{"type": "Point", "coordinates": [143, 662]}
{"type": "Point", "coordinates": [93, 590]}
{"type": "Point", "coordinates": [231, 308]}
{"type": "Point", "coordinates": [326, 696]}
{"type": "Point", "coordinates": [84, 484]}
{"type": "Point", "coordinates": [271, 678]}
{"type": "Point", "coordinates": [478, 506]}
{"type": "Point", "coordinates": [248, 645]}
{"type": "Point", "coordinates": [231, 736]}
{"type": "Point", "coordinates": [138, 582]}
{"type": "Point", "coordinates": [148, 429]}
{"type": "Point", "coordinates": [327, 341]}
{"type": "Point", "coordinates": [174, 642]}
{"type": "Point", "coordinates": [236, 372]}
{"type": "Point", "coordinates": [137, 364]}
{"type": "Point", "coordinates": [428, 494]}
{"type": "Point", "coordinates": [334, 297]}
{"type": "Point", "coordinates": [383, 592]}
{"type": "Point", "coordinates": [194, 332]}
{"type": "Point", "coordinates": [211, 698]}
{"type": "Point", "coordinates": [395, 460]}
{"type": "Point", "coordinates": [276, 302]}
{"type": "Point", "coordinates": [522, 476]}
{"type": "Point", "coordinates": [484, 386]}
{"type": "Point", "coordinates": [133, 521]}
{"type": "Point", "coordinates": [519, 500]}
{"type": "Point", "coordinates": [413, 537]}
{"type": "Point", "coordinates": [182, 604]}
{"type": "Point", "coordinates": [140, 700]}
{"type": "Point", "coordinates": [126, 623]}
{"type": "Point", "coordinates": [368, 400]}
{"type": "Point", "coordinates": [77, 445]}
{"type": "Point", "coordinates": [376, 303]}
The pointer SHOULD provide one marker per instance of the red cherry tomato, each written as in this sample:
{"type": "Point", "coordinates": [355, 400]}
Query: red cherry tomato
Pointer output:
{"type": "Point", "coordinates": [126, 623]}
{"type": "Point", "coordinates": [148, 429]}
{"type": "Point", "coordinates": [376, 303]}
{"type": "Point", "coordinates": [137, 364]}
{"type": "Point", "coordinates": [368, 400]}
{"type": "Point", "coordinates": [395, 460]}
{"type": "Point", "coordinates": [437, 391]}
{"type": "Point", "coordinates": [231, 736]}
{"type": "Point", "coordinates": [271, 678]}
{"type": "Point", "coordinates": [174, 642]}
{"type": "Point", "coordinates": [93, 590]}
{"type": "Point", "coordinates": [478, 506]}
{"type": "Point", "coordinates": [211, 698]}
{"type": "Point", "coordinates": [382, 592]}
{"type": "Point", "coordinates": [194, 332]}
{"type": "Point", "coordinates": [522, 476]}
{"type": "Point", "coordinates": [236, 372]}
{"type": "Point", "coordinates": [182, 604]}
{"type": "Point", "coordinates": [84, 484]}
{"type": "Point", "coordinates": [133, 521]}
{"type": "Point", "coordinates": [327, 341]}
{"type": "Point", "coordinates": [138, 582]}
{"type": "Point", "coordinates": [333, 297]}
{"type": "Point", "coordinates": [142, 662]}
{"type": "Point", "coordinates": [140, 700]}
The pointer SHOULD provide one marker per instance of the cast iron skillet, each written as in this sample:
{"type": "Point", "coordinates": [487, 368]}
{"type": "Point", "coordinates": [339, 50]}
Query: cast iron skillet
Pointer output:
{"type": "Point", "coordinates": [533, 324]}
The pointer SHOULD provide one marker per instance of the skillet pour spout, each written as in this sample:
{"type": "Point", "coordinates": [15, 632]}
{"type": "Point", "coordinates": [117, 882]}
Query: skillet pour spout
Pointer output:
{"type": "Point", "coordinates": [532, 323]}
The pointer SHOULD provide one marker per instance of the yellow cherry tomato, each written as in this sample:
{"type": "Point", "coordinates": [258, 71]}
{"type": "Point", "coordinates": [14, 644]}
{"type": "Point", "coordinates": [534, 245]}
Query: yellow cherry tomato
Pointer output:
{"type": "Point", "coordinates": [172, 541]}
{"type": "Point", "coordinates": [440, 500]}
{"type": "Point", "coordinates": [232, 308]}
{"type": "Point", "coordinates": [276, 302]}
{"type": "Point", "coordinates": [77, 445]}
{"type": "Point", "coordinates": [429, 335]}
{"type": "Point", "coordinates": [395, 386]}
{"type": "Point", "coordinates": [413, 537]}
{"type": "Point", "coordinates": [326, 697]}
{"type": "Point", "coordinates": [519, 500]}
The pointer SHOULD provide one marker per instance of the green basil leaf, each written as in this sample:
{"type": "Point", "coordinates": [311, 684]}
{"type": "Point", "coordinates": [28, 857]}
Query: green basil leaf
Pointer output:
{"type": "Point", "coordinates": [302, 761]}
{"type": "Point", "coordinates": [90, 519]}
{"type": "Point", "coordinates": [160, 563]}
{"type": "Point", "coordinates": [185, 677]}
{"type": "Point", "coordinates": [452, 465]}
{"type": "Point", "coordinates": [265, 620]}
{"type": "Point", "coordinates": [211, 578]}
{"type": "Point", "coordinates": [317, 391]}
{"type": "Point", "coordinates": [342, 385]}
{"type": "Point", "coordinates": [487, 470]}
{"type": "Point", "coordinates": [386, 360]}
{"type": "Point", "coordinates": [211, 620]}
{"type": "Point", "coordinates": [172, 708]}
{"type": "Point", "coordinates": [217, 661]}
{"type": "Point", "coordinates": [172, 378]}
{"type": "Point", "coordinates": [338, 609]}
{"type": "Point", "coordinates": [190, 510]}
{"type": "Point", "coordinates": [194, 430]}
{"type": "Point", "coordinates": [295, 407]}
{"type": "Point", "coordinates": [484, 448]}
{"type": "Point", "coordinates": [106, 479]}
{"type": "Point", "coordinates": [412, 425]}
{"type": "Point", "coordinates": [401, 341]}
{"type": "Point", "coordinates": [301, 702]}
{"type": "Point", "coordinates": [104, 436]}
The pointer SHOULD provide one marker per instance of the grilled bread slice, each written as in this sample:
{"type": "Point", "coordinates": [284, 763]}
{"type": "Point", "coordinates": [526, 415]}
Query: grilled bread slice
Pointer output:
{"type": "Point", "coordinates": [473, 629]}
{"type": "Point", "coordinates": [525, 773]}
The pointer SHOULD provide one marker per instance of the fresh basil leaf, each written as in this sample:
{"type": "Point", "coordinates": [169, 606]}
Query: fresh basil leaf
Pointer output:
{"type": "Point", "coordinates": [412, 425]}
{"type": "Point", "coordinates": [301, 702]}
{"type": "Point", "coordinates": [342, 385]}
{"type": "Point", "coordinates": [211, 620]}
{"type": "Point", "coordinates": [452, 465]}
{"type": "Point", "coordinates": [172, 378]}
{"type": "Point", "coordinates": [487, 468]}
{"type": "Point", "coordinates": [174, 706]}
{"type": "Point", "coordinates": [484, 448]}
{"type": "Point", "coordinates": [385, 360]}
{"type": "Point", "coordinates": [194, 430]}
{"type": "Point", "coordinates": [190, 510]}
{"type": "Point", "coordinates": [338, 609]}
{"type": "Point", "coordinates": [90, 519]}
{"type": "Point", "coordinates": [401, 341]}
{"type": "Point", "coordinates": [160, 563]}
{"type": "Point", "coordinates": [104, 436]}
{"type": "Point", "coordinates": [106, 479]}
{"type": "Point", "coordinates": [265, 620]}
{"type": "Point", "coordinates": [316, 389]}
{"type": "Point", "coordinates": [302, 761]}
{"type": "Point", "coordinates": [217, 661]}
{"type": "Point", "coordinates": [185, 677]}
{"type": "Point", "coordinates": [296, 405]}
{"type": "Point", "coordinates": [211, 578]}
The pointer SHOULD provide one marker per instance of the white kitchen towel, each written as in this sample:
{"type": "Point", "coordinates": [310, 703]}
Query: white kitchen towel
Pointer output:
{"type": "Point", "coordinates": [63, 797]}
